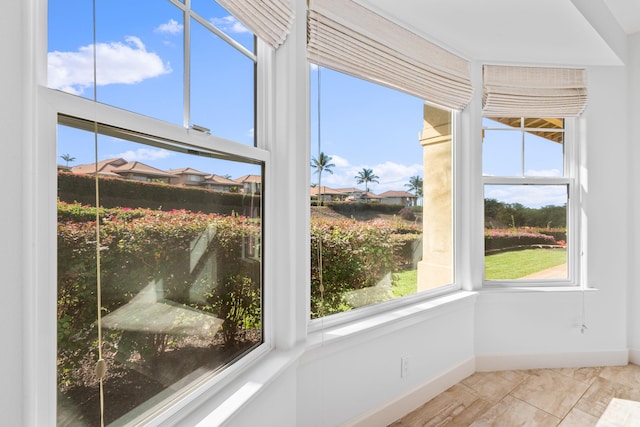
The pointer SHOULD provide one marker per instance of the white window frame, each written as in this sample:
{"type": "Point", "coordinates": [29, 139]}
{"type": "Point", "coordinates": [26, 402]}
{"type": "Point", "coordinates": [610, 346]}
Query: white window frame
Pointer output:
{"type": "Point", "coordinates": [570, 178]}
{"type": "Point", "coordinates": [42, 314]}
{"type": "Point", "coordinates": [322, 323]}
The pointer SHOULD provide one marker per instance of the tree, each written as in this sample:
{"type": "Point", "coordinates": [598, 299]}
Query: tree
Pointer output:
{"type": "Point", "coordinates": [67, 158]}
{"type": "Point", "coordinates": [415, 184]}
{"type": "Point", "coordinates": [366, 176]}
{"type": "Point", "coordinates": [322, 164]}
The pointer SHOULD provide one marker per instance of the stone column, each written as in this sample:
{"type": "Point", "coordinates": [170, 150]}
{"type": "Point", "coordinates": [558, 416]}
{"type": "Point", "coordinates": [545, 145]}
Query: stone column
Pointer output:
{"type": "Point", "coordinates": [436, 267]}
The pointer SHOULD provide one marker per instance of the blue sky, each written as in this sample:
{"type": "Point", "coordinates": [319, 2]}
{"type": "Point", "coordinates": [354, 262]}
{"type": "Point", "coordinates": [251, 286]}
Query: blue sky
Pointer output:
{"type": "Point", "coordinates": [140, 68]}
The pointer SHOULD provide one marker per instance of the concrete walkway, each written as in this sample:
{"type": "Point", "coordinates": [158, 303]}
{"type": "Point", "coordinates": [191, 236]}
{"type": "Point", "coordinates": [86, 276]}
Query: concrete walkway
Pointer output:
{"type": "Point", "coordinates": [557, 272]}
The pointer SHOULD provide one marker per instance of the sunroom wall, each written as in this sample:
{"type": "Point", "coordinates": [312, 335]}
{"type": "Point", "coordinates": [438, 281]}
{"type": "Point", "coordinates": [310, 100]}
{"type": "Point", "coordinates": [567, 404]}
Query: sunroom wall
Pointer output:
{"type": "Point", "coordinates": [16, 110]}
{"type": "Point", "coordinates": [346, 379]}
{"type": "Point", "coordinates": [634, 197]}
{"type": "Point", "coordinates": [526, 329]}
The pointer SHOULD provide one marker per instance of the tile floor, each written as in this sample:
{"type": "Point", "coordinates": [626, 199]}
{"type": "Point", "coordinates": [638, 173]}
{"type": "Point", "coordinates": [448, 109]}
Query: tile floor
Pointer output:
{"type": "Point", "coordinates": [538, 397]}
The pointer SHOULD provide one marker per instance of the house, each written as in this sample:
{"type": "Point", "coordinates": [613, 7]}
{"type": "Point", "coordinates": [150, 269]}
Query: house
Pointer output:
{"type": "Point", "coordinates": [348, 371]}
{"type": "Point", "coordinates": [120, 168]}
{"type": "Point", "coordinates": [250, 184]}
{"type": "Point", "coordinates": [326, 193]}
{"type": "Point", "coordinates": [352, 193]}
{"type": "Point", "coordinates": [104, 167]}
{"type": "Point", "coordinates": [187, 177]}
{"type": "Point", "coordinates": [394, 197]}
{"type": "Point", "coordinates": [220, 183]}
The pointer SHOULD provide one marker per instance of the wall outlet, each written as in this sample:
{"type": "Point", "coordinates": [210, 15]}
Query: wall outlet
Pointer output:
{"type": "Point", "coordinates": [404, 366]}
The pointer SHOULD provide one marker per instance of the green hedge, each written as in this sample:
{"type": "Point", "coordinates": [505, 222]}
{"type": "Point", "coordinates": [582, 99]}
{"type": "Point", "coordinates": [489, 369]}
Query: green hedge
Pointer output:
{"type": "Point", "coordinates": [350, 208]}
{"type": "Point", "coordinates": [139, 246]}
{"type": "Point", "coordinates": [499, 240]}
{"type": "Point", "coordinates": [354, 255]}
{"type": "Point", "coordinates": [116, 192]}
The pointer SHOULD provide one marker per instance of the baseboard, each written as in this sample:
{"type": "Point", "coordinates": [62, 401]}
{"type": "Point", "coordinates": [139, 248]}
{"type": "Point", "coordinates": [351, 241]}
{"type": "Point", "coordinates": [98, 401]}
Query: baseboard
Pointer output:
{"type": "Point", "coordinates": [396, 408]}
{"type": "Point", "coordinates": [553, 360]}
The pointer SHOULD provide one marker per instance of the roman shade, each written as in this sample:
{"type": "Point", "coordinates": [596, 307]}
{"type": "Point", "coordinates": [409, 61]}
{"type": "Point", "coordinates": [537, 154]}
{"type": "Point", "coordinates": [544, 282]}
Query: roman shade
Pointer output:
{"type": "Point", "coordinates": [268, 19]}
{"type": "Point", "coordinates": [510, 91]}
{"type": "Point", "coordinates": [352, 39]}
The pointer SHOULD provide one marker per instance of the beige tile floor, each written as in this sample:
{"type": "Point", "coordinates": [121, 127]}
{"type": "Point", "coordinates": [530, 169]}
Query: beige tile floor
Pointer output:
{"type": "Point", "coordinates": [538, 397]}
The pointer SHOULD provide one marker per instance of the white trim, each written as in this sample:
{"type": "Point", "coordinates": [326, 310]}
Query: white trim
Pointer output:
{"type": "Point", "coordinates": [570, 178]}
{"type": "Point", "coordinates": [400, 406]}
{"type": "Point", "coordinates": [89, 110]}
{"type": "Point", "coordinates": [341, 337]}
{"type": "Point", "coordinates": [500, 362]}
{"type": "Point", "coordinates": [634, 356]}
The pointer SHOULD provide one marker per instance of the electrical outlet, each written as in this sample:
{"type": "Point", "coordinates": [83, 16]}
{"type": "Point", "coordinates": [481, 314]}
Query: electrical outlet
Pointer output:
{"type": "Point", "coordinates": [404, 366]}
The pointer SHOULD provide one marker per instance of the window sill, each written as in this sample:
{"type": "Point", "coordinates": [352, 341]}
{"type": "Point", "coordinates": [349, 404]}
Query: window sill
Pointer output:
{"type": "Point", "coordinates": [499, 289]}
{"type": "Point", "coordinates": [219, 404]}
{"type": "Point", "coordinates": [389, 321]}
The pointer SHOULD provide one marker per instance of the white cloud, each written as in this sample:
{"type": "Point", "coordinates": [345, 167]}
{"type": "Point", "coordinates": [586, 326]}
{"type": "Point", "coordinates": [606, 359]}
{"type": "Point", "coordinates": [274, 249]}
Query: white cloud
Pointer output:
{"type": "Point", "coordinates": [392, 176]}
{"type": "Point", "coordinates": [144, 154]}
{"type": "Point", "coordinates": [229, 24]}
{"type": "Point", "coordinates": [170, 27]}
{"type": "Point", "coordinates": [533, 196]}
{"type": "Point", "coordinates": [124, 63]}
{"type": "Point", "coordinates": [340, 162]}
{"type": "Point", "coordinates": [251, 133]}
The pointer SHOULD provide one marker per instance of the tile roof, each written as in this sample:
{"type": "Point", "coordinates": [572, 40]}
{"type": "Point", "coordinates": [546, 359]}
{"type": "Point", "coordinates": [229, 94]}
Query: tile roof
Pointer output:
{"type": "Point", "coordinates": [394, 193]}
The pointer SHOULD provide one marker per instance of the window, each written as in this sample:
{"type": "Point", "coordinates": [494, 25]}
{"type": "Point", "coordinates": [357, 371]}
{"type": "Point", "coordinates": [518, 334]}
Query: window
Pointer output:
{"type": "Point", "coordinates": [159, 280]}
{"type": "Point", "coordinates": [159, 64]}
{"type": "Point", "coordinates": [528, 177]}
{"type": "Point", "coordinates": [381, 196]}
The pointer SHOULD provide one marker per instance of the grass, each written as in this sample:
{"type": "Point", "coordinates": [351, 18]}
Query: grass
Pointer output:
{"type": "Point", "coordinates": [517, 264]}
{"type": "Point", "coordinates": [405, 283]}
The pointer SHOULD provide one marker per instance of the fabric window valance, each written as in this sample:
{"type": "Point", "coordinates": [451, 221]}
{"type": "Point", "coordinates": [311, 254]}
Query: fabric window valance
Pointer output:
{"type": "Point", "coordinates": [268, 19]}
{"type": "Point", "coordinates": [510, 91]}
{"type": "Point", "coordinates": [352, 39]}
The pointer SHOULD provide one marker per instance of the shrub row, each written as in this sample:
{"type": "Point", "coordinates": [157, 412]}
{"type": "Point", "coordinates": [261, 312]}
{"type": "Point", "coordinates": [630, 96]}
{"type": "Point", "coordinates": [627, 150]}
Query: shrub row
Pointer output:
{"type": "Point", "coordinates": [497, 239]}
{"type": "Point", "coordinates": [116, 192]}
{"type": "Point", "coordinates": [137, 247]}
{"type": "Point", "coordinates": [354, 255]}
{"type": "Point", "coordinates": [351, 208]}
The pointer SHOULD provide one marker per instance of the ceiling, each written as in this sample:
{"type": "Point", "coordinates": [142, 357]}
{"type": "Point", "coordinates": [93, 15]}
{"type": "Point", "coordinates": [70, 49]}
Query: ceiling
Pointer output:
{"type": "Point", "coordinates": [545, 32]}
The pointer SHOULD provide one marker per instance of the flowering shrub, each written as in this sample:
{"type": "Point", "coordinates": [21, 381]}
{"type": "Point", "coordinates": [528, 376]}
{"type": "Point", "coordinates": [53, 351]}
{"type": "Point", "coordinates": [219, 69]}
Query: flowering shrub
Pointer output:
{"type": "Point", "coordinates": [496, 239]}
{"type": "Point", "coordinates": [137, 247]}
{"type": "Point", "coordinates": [353, 255]}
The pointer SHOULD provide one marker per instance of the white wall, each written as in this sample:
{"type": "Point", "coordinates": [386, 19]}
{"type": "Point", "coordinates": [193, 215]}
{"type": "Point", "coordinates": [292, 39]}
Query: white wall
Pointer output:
{"type": "Point", "coordinates": [12, 124]}
{"type": "Point", "coordinates": [542, 328]}
{"type": "Point", "coordinates": [341, 379]}
{"type": "Point", "coordinates": [634, 196]}
{"type": "Point", "coordinates": [344, 378]}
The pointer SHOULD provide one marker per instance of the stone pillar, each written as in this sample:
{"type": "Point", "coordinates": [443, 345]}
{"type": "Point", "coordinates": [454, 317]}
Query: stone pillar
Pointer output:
{"type": "Point", "coordinates": [436, 267]}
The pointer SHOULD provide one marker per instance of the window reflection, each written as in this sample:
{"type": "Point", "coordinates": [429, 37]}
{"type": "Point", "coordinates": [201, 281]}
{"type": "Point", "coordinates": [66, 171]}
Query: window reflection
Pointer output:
{"type": "Point", "coordinates": [178, 261]}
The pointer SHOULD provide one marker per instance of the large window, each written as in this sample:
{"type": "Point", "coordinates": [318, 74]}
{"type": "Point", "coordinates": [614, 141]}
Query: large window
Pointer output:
{"type": "Point", "coordinates": [160, 232]}
{"type": "Point", "coordinates": [164, 60]}
{"type": "Point", "coordinates": [381, 195]}
{"type": "Point", "coordinates": [528, 188]}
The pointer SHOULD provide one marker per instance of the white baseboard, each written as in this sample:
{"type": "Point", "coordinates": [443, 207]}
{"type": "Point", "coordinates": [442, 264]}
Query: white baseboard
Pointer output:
{"type": "Point", "coordinates": [394, 409]}
{"type": "Point", "coordinates": [553, 360]}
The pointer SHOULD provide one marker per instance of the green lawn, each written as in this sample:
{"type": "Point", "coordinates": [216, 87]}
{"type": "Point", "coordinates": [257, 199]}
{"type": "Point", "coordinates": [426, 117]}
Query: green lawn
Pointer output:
{"type": "Point", "coordinates": [405, 283]}
{"type": "Point", "coordinates": [516, 264]}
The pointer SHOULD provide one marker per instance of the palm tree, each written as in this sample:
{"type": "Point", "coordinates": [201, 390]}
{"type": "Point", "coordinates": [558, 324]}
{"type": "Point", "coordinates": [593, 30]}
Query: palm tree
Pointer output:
{"type": "Point", "coordinates": [322, 164]}
{"type": "Point", "coordinates": [366, 176]}
{"type": "Point", "coordinates": [415, 185]}
{"type": "Point", "coordinates": [67, 158]}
